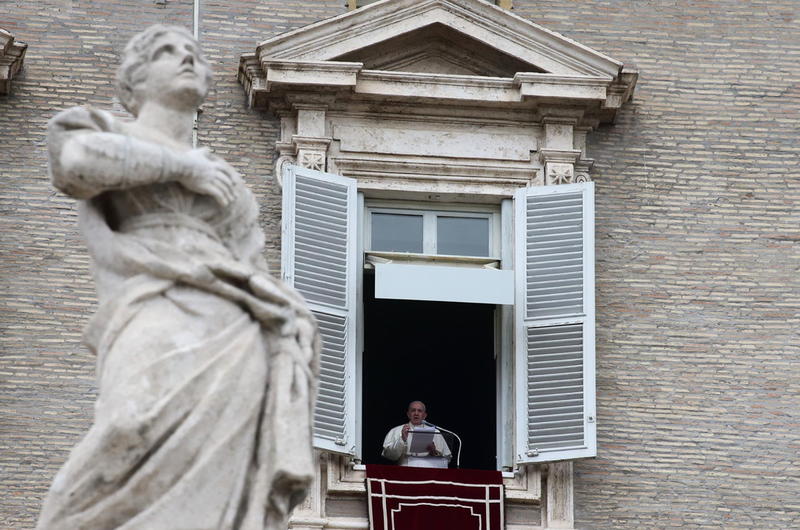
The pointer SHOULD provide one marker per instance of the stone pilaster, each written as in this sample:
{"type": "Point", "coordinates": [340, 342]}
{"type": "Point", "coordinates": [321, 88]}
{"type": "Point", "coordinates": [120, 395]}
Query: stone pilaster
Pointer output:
{"type": "Point", "coordinates": [303, 138]}
{"type": "Point", "coordinates": [563, 150]}
{"type": "Point", "coordinates": [560, 511]}
{"type": "Point", "coordinates": [310, 514]}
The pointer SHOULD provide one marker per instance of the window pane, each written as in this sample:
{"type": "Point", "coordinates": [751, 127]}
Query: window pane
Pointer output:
{"type": "Point", "coordinates": [397, 233]}
{"type": "Point", "coordinates": [462, 236]}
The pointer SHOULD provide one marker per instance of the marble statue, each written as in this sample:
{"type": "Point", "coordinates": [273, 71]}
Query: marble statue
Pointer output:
{"type": "Point", "coordinates": [206, 364]}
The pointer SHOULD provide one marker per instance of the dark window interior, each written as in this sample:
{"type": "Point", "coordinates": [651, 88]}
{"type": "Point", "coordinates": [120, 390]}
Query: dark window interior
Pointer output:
{"type": "Point", "coordinates": [440, 353]}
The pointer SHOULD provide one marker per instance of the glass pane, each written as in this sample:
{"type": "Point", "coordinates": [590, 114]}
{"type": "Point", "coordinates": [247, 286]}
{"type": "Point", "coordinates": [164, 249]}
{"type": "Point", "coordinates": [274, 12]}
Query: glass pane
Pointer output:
{"type": "Point", "coordinates": [397, 233]}
{"type": "Point", "coordinates": [462, 236]}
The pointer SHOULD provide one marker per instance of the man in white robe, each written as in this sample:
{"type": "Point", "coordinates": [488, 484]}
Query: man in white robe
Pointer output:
{"type": "Point", "coordinates": [395, 445]}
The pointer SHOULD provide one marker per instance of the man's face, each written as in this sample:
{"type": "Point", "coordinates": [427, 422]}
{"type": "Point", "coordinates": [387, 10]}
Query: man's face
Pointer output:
{"type": "Point", "coordinates": [416, 413]}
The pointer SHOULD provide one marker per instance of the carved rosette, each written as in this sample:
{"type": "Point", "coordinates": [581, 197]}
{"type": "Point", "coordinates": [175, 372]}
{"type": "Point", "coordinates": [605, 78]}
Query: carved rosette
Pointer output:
{"type": "Point", "coordinates": [312, 159]}
{"type": "Point", "coordinates": [559, 174]}
{"type": "Point", "coordinates": [564, 166]}
{"type": "Point", "coordinates": [312, 152]}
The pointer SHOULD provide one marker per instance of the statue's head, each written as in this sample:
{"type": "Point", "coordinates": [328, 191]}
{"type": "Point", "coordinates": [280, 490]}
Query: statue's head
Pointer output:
{"type": "Point", "coordinates": [165, 63]}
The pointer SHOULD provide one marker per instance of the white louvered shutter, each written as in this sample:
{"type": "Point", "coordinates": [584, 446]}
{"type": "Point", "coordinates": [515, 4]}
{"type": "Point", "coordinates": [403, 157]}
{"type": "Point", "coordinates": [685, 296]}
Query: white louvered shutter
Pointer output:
{"type": "Point", "coordinates": [554, 320]}
{"type": "Point", "coordinates": [319, 260]}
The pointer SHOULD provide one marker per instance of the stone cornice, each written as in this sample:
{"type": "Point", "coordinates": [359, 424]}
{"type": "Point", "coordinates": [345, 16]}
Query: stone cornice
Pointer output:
{"type": "Point", "coordinates": [561, 86]}
{"type": "Point", "coordinates": [304, 61]}
{"type": "Point", "coordinates": [310, 73]}
{"type": "Point", "coordinates": [270, 80]}
{"type": "Point", "coordinates": [12, 56]}
{"type": "Point", "coordinates": [437, 86]}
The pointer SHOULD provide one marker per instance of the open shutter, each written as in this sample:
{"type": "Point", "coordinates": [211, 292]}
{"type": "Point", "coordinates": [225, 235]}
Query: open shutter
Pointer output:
{"type": "Point", "coordinates": [320, 261]}
{"type": "Point", "coordinates": [554, 320]}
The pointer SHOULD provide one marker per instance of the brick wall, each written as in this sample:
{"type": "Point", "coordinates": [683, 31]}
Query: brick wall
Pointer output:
{"type": "Point", "coordinates": [697, 245]}
{"type": "Point", "coordinates": [698, 266]}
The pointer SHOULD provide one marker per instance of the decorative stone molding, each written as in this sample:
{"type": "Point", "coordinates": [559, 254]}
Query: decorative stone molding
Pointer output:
{"type": "Point", "coordinates": [550, 66]}
{"type": "Point", "coordinates": [12, 57]}
{"type": "Point", "coordinates": [280, 165]}
{"type": "Point", "coordinates": [303, 139]}
{"type": "Point", "coordinates": [559, 173]}
{"type": "Point", "coordinates": [311, 151]}
{"type": "Point", "coordinates": [582, 168]}
{"type": "Point", "coordinates": [564, 138]}
{"type": "Point", "coordinates": [547, 50]}
{"type": "Point", "coordinates": [355, 4]}
{"type": "Point", "coordinates": [443, 177]}
{"type": "Point", "coordinates": [444, 129]}
{"type": "Point", "coordinates": [312, 160]}
{"type": "Point", "coordinates": [621, 91]}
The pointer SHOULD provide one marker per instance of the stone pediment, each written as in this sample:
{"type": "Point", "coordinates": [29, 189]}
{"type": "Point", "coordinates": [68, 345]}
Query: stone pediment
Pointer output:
{"type": "Point", "coordinates": [477, 20]}
{"type": "Point", "coordinates": [438, 49]}
{"type": "Point", "coordinates": [435, 51]}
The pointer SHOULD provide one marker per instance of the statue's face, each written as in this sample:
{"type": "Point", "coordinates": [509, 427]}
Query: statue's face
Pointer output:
{"type": "Point", "coordinates": [176, 75]}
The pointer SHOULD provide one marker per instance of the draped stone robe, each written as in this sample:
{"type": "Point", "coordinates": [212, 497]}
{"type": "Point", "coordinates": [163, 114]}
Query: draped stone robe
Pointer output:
{"type": "Point", "coordinates": [206, 388]}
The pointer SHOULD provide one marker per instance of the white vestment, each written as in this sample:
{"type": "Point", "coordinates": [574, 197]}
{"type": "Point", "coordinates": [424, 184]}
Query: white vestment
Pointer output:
{"type": "Point", "coordinates": [394, 448]}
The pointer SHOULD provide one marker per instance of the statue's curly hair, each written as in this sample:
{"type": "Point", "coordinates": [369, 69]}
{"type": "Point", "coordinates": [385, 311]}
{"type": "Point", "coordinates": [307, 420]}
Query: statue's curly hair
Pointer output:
{"type": "Point", "coordinates": [135, 59]}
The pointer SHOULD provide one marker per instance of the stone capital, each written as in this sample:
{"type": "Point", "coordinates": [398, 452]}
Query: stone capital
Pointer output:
{"type": "Point", "coordinates": [559, 156]}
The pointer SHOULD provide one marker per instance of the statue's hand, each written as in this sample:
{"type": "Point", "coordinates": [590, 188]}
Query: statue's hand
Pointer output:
{"type": "Point", "coordinates": [209, 175]}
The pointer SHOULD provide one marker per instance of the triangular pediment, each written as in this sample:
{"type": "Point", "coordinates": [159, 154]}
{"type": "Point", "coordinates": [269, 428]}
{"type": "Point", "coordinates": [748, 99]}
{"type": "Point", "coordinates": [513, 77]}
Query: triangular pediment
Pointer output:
{"type": "Point", "coordinates": [464, 36]}
{"type": "Point", "coordinates": [438, 49]}
{"type": "Point", "coordinates": [434, 51]}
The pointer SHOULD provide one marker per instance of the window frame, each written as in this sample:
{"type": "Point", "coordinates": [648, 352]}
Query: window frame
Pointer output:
{"type": "Point", "coordinates": [429, 222]}
{"type": "Point", "coordinates": [505, 240]}
{"type": "Point", "coordinates": [501, 243]}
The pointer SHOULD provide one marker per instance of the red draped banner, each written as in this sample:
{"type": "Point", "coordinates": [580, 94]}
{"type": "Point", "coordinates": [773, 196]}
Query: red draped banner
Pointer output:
{"type": "Point", "coordinates": [410, 498]}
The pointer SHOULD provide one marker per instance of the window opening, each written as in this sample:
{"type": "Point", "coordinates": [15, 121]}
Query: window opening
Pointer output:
{"type": "Point", "coordinates": [441, 353]}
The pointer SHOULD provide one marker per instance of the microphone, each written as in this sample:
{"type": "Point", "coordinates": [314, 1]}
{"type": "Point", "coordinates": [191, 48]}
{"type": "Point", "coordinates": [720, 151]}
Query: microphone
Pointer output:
{"type": "Point", "coordinates": [458, 456]}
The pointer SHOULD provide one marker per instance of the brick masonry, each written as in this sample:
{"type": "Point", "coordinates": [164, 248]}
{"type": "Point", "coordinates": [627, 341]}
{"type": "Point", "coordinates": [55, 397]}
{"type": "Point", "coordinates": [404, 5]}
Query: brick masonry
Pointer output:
{"type": "Point", "coordinates": [698, 245]}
